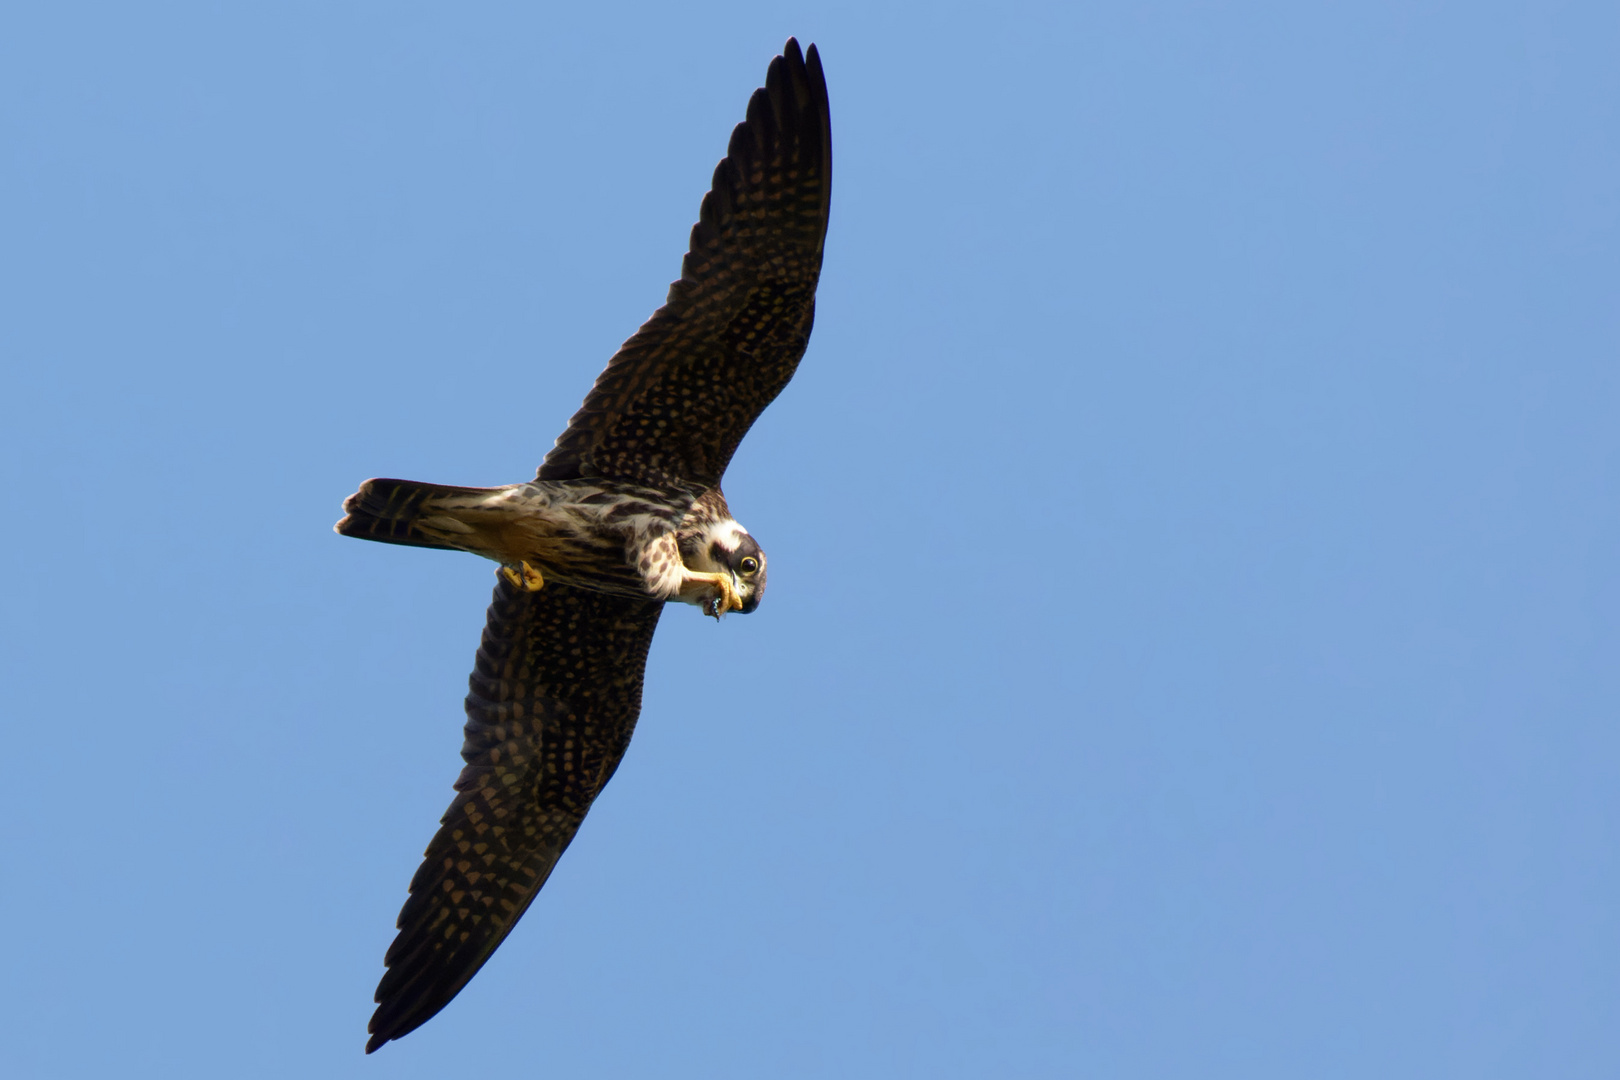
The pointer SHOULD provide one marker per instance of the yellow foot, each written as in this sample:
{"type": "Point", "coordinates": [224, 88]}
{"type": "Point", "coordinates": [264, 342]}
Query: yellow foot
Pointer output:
{"type": "Point", "coordinates": [524, 575]}
{"type": "Point", "coordinates": [728, 600]}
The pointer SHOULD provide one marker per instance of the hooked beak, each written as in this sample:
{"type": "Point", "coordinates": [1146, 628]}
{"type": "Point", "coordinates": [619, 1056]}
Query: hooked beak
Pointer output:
{"type": "Point", "coordinates": [751, 601]}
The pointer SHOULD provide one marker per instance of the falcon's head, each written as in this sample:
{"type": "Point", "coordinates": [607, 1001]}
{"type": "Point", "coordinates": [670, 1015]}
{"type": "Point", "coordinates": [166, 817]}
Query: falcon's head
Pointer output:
{"type": "Point", "coordinates": [725, 547]}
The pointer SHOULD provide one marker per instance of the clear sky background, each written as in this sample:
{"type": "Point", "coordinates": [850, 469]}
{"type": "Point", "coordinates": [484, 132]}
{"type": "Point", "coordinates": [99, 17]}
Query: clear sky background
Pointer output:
{"type": "Point", "coordinates": [1194, 612]}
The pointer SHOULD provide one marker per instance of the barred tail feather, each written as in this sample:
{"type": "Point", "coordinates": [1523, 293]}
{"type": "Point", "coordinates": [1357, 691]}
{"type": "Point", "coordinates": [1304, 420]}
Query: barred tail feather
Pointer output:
{"type": "Point", "coordinates": [391, 512]}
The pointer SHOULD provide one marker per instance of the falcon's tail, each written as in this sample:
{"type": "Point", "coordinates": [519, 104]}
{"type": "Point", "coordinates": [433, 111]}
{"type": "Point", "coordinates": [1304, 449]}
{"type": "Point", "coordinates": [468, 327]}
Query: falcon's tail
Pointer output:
{"type": "Point", "coordinates": [396, 511]}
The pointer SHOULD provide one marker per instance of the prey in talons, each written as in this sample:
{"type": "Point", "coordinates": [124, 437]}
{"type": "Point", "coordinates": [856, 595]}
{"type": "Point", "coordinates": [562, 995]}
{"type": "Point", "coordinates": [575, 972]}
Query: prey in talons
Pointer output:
{"type": "Point", "coordinates": [726, 598]}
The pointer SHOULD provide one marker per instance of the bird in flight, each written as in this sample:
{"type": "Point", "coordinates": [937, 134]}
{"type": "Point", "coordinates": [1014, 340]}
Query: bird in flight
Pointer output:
{"type": "Point", "coordinates": [624, 515]}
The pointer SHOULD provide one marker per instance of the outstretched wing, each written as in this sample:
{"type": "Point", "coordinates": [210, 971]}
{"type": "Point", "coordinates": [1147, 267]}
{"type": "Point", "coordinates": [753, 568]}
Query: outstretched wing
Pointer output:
{"type": "Point", "coordinates": [678, 397]}
{"type": "Point", "coordinates": [554, 697]}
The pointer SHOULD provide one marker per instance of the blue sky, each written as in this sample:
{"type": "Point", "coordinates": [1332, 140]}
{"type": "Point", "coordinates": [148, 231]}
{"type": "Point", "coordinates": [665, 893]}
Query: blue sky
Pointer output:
{"type": "Point", "coordinates": [1191, 640]}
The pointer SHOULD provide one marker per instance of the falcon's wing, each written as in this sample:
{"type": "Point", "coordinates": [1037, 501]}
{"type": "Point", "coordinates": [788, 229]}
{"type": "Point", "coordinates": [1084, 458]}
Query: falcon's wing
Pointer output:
{"type": "Point", "coordinates": [678, 397]}
{"type": "Point", "coordinates": [555, 694]}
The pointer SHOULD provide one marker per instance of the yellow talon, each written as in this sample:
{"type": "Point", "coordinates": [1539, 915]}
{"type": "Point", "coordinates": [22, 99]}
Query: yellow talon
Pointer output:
{"type": "Point", "coordinates": [524, 575]}
{"type": "Point", "coordinates": [728, 600]}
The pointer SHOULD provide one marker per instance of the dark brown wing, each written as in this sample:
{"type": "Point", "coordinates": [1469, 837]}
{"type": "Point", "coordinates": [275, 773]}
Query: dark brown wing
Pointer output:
{"type": "Point", "coordinates": [555, 694]}
{"type": "Point", "coordinates": [678, 397]}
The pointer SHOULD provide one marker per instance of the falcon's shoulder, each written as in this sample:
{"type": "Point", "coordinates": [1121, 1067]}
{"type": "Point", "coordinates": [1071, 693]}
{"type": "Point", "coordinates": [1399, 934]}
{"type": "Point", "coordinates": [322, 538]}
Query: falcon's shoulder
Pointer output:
{"type": "Point", "coordinates": [677, 398]}
{"type": "Point", "coordinates": [554, 698]}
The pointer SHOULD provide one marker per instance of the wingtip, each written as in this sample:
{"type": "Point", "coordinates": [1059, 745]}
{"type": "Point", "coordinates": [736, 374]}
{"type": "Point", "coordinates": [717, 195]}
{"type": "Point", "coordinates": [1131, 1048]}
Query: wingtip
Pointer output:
{"type": "Point", "coordinates": [812, 66]}
{"type": "Point", "coordinates": [385, 1027]}
{"type": "Point", "coordinates": [808, 56]}
{"type": "Point", "coordinates": [803, 74]}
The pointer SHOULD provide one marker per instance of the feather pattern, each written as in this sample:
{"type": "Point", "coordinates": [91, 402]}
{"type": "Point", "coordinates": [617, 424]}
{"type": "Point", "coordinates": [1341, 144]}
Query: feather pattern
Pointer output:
{"type": "Point", "coordinates": [678, 397]}
{"type": "Point", "coordinates": [553, 699]}
{"type": "Point", "coordinates": [557, 684]}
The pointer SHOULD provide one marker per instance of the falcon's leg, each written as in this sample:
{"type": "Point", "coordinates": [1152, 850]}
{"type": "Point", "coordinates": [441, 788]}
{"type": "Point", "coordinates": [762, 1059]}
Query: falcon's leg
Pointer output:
{"type": "Point", "coordinates": [728, 600]}
{"type": "Point", "coordinates": [524, 575]}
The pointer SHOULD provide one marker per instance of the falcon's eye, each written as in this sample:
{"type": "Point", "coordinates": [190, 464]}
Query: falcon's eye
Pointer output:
{"type": "Point", "coordinates": [748, 565]}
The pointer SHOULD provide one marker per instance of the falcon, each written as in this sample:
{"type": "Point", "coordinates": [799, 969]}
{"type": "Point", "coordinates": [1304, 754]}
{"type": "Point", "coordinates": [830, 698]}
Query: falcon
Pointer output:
{"type": "Point", "coordinates": [625, 515]}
